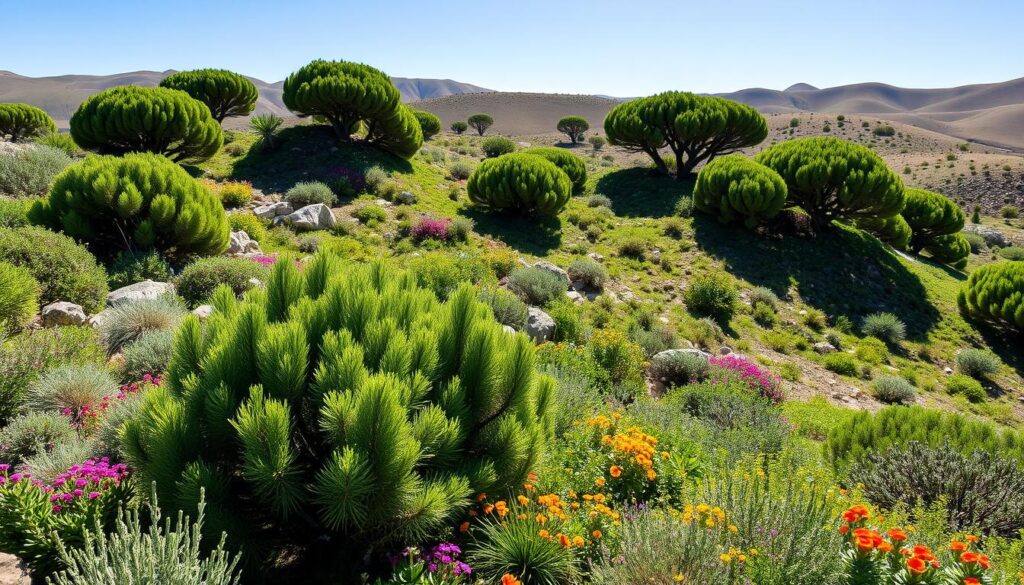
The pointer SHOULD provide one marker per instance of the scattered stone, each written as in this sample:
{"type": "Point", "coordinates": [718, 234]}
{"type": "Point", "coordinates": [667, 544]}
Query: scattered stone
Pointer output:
{"type": "Point", "coordinates": [673, 353]}
{"type": "Point", "coordinates": [384, 203]}
{"type": "Point", "coordinates": [312, 217]}
{"type": "Point", "coordinates": [575, 296]}
{"type": "Point", "coordinates": [725, 350]}
{"type": "Point", "coordinates": [203, 311]}
{"type": "Point", "coordinates": [508, 329]}
{"type": "Point", "coordinates": [992, 236]}
{"type": "Point", "coordinates": [545, 265]}
{"type": "Point", "coordinates": [539, 325]}
{"type": "Point", "coordinates": [255, 281]}
{"type": "Point", "coordinates": [273, 210]}
{"type": "Point", "coordinates": [96, 321]}
{"type": "Point", "coordinates": [147, 289]}
{"type": "Point", "coordinates": [63, 313]}
{"type": "Point", "coordinates": [948, 371]}
{"type": "Point", "coordinates": [824, 347]}
{"type": "Point", "coordinates": [13, 571]}
{"type": "Point", "coordinates": [656, 256]}
{"type": "Point", "coordinates": [241, 243]}
{"type": "Point", "coordinates": [406, 198]}
{"type": "Point", "coordinates": [595, 257]}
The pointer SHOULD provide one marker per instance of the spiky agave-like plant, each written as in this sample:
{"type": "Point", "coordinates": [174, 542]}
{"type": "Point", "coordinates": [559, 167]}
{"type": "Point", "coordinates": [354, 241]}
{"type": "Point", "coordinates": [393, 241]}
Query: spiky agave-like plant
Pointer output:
{"type": "Point", "coordinates": [340, 407]}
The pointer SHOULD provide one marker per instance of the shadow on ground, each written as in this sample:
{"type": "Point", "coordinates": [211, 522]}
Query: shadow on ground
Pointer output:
{"type": "Point", "coordinates": [642, 192]}
{"type": "Point", "coordinates": [532, 235]}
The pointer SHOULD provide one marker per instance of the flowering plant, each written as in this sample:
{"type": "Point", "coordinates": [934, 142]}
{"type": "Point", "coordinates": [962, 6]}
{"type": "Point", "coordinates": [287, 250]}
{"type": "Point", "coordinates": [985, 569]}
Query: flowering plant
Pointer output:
{"type": "Point", "coordinates": [430, 228]}
{"type": "Point", "coordinates": [263, 260]}
{"type": "Point", "coordinates": [440, 565]}
{"type": "Point", "coordinates": [88, 416]}
{"type": "Point", "coordinates": [729, 367]}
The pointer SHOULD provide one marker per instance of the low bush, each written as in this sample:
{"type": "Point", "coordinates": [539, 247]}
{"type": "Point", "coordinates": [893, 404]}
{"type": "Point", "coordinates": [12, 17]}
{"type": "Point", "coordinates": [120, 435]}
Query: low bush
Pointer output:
{"type": "Point", "coordinates": [62, 142]}
{"type": "Point", "coordinates": [460, 169]}
{"type": "Point", "coordinates": [992, 294]}
{"type": "Point", "coordinates": [131, 267]}
{"type": "Point", "coordinates": [235, 194]}
{"type": "Point", "coordinates": [884, 130]}
{"type": "Point", "coordinates": [309, 193]}
{"type": "Point", "coordinates": [459, 127]}
{"type": "Point", "coordinates": [29, 172]}
{"type": "Point", "coordinates": [521, 183]}
{"type": "Point", "coordinates": [370, 213]}
{"type": "Point", "coordinates": [762, 295]}
{"type": "Point", "coordinates": [508, 309]}
{"type": "Point", "coordinates": [739, 370]}
{"type": "Point", "coordinates": [19, 298]}
{"type": "Point", "coordinates": [893, 389]}
{"type": "Point", "coordinates": [536, 286]}
{"type": "Point", "coordinates": [711, 296]}
{"type": "Point", "coordinates": [14, 212]}
{"type": "Point", "coordinates": [679, 368]}
{"type": "Point", "coordinates": [598, 200]}
{"type": "Point", "coordinates": [64, 270]}
{"type": "Point", "coordinates": [884, 326]}
{"type": "Point", "coordinates": [969, 387]}
{"type": "Point", "coordinates": [130, 321]}
{"type": "Point", "coordinates": [570, 164]}
{"type": "Point", "coordinates": [430, 124]}
{"type": "Point", "coordinates": [730, 406]}
{"type": "Point", "coordinates": [31, 434]}
{"type": "Point", "coordinates": [443, 273]}
{"type": "Point", "coordinates": [198, 280]}
{"type": "Point", "coordinates": [1012, 253]}
{"type": "Point", "coordinates": [597, 142]}
{"type": "Point", "coordinates": [590, 272]}
{"type": "Point", "coordinates": [736, 188]}
{"type": "Point", "coordinates": [977, 363]}
{"type": "Point", "coordinates": [570, 323]}
{"type": "Point", "coordinates": [496, 146]}
{"type": "Point", "coordinates": [247, 222]}
{"type": "Point", "coordinates": [1009, 212]}
{"type": "Point", "coordinates": [841, 363]}
{"type": "Point", "coordinates": [68, 389]}
{"type": "Point", "coordinates": [149, 354]}
{"type": "Point", "coordinates": [460, 228]}
{"type": "Point", "coordinates": [635, 248]}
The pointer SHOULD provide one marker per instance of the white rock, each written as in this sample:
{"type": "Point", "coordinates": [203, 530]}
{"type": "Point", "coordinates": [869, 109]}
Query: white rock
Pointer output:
{"type": "Point", "coordinates": [406, 198]}
{"type": "Point", "coordinates": [824, 347]}
{"type": "Point", "coordinates": [539, 325]}
{"type": "Point", "coordinates": [96, 321]}
{"type": "Point", "coordinates": [545, 265]}
{"type": "Point", "coordinates": [725, 350]}
{"type": "Point", "coordinates": [312, 217]}
{"type": "Point", "coordinates": [63, 313]}
{"type": "Point", "coordinates": [203, 311]}
{"type": "Point", "coordinates": [241, 243]}
{"type": "Point", "coordinates": [508, 329]}
{"type": "Point", "coordinates": [595, 257]}
{"type": "Point", "coordinates": [147, 289]}
{"type": "Point", "coordinates": [575, 296]}
{"type": "Point", "coordinates": [272, 210]}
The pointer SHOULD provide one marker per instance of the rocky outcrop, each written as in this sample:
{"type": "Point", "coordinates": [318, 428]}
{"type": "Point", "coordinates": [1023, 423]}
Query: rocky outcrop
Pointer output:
{"type": "Point", "coordinates": [63, 313]}
{"type": "Point", "coordinates": [147, 289]}
{"type": "Point", "coordinates": [312, 217]}
{"type": "Point", "coordinates": [539, 325]}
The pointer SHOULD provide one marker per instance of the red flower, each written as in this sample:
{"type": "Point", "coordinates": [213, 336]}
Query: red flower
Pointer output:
{"type": "Point", "coordinates": [916, 566]}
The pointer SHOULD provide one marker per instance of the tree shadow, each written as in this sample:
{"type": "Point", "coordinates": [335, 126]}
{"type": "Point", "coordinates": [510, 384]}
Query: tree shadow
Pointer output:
{"type": "Point", "coordinates": [841, 272]}
{"type": "Point", "coordinates": [643, 192]}
{"type": "Point", "coordinates": [1005, 343]}
{"type": "Point", "coordinates": [532, 235]}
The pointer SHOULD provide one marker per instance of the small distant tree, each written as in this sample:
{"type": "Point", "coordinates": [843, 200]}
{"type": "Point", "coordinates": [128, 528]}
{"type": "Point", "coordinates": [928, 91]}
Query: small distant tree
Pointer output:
{"type": "Point", "coordinates": [794, 122]}
{"type": "Point", "coordinates": [459, 127]}
{"type": "Point", "coordinates": [226, 93]}
{"type": "Point", "coordinates": [976, 214]}
{"type": "Point", "coordinates": [597, 142]}
{"type": "Point", "coordinates": [735, 187]}
{"type": "Point", "coordinates": [430, 124]}
{"type": "Point", "coordinates": [885, 130]}
{"type": "Point", "coordinates": [480, 122]}
{"type": "Point", "coordinates": [696, 128]}
{"type": "Point", "coordinates": [573, 127]}
{"type": "Point", "coordinates": [929, 216]}
{"type": "Point", "coordinates": [21, 121]}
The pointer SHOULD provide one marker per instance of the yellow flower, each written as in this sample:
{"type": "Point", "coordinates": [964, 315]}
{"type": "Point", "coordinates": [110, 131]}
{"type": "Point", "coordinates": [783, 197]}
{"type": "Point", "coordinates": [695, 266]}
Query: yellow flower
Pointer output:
{"type": "Point", "coordinates": [732, 528]}
{"type": "Point", "coordinates": [599, 481]}
{"type": "Point", "coordinates": [651, 475]}
{"type": "Point", "coordinates": [725, 558]}
{"type": "Point", "coordinates": [577, 541]}
{"type": "Point", "coordinates": [523, 500]}
{"type": "Point", "coordinates": [678, 578]}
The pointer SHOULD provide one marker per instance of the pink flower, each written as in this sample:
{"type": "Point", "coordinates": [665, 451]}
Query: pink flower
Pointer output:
{"type": "Point", "coordinates": [756, 378]}
{"type": "Point", "coordinates": [429, 228]}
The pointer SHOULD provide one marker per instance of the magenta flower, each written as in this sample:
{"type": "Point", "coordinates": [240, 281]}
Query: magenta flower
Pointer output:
{"type": "Point", "coordinates": [758, 379]}
{"type": "Point", "coordinates": [429, 228]}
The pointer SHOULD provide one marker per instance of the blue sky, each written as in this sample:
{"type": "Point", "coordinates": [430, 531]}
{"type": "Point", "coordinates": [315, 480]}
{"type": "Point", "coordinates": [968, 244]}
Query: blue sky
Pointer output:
{"type": "Point", "coordinates": [621, 48]}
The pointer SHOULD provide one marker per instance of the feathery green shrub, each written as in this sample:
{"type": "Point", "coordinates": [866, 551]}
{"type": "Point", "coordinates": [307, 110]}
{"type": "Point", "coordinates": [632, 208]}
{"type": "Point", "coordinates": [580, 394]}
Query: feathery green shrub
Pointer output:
{"type": "Point", "coordinates": [495, 146]}
{"type": "Point", "coordinates": [893, 389]}
{"type": "Point", "coordinates": [19, 298]}
{"type": "Point", "coordinates": [697, 128]}
{"type": "Point", "coordinates": [977, 363]}
{"type": "Point", "coordinates": [62, 142]}
{"type": "Point", "coordinates": [995, 293]}
{"type": "Point", "coordinates": [21, 121]}
{"type": "Point", "coordinates": [137, 201]}
{"type": "Point", "coordinates": [131, 267]}
{"type": "Point", "coordinates": [833, 179]}
{"type": "Point", "coordinates": [248, 222]}
{"type": "Point", "coordinates": [507, 307]}
{"type": "Point", "coordinates": [573, 126]}
{"type": "Point", "coordinates": [350, 407]}
{"type": "Point", "coordinates": [589, 272]}
{"type": "Point", "coordinates": [737, 188]}
{"type": "Point", "coordinates": [711, 296]}
{"type": "Point", "coordinates": [536, 286]}
{"type": "Point", "coordinates": [885, 326]}
{"type": "Point", "coordinates": [480, 122]}
{"type": "Point", "coordinates": [30, 434]}
{"type": "Point", "coordinates": [29, 172]}
{"type": "Point", "coordinates": [511, 546]}
{"type": "Point", "coordinates": [200, 279]}
{"type": "Point", "coordinates": [518, 182]}
{"type": "Point", "coordinates": [430, 124]}
{"type": "Point", "coordinates": [64, 270]}
{"type": "Point", "coordinates": [894, 230]}
{"type": "Point", "coordinates": [148, 354]}
{"type": "Point", "coordinates": [971, 389]}
{"type": "Point", "coordinates": [679, 368]}
{"type": "Point", "coordinates": [308, 193]}
{"type": "Point", "coordinates": [129, 118]}
{"type": "Point", "coordinates": [266, 127]}
{"type": "Point", "coordinates": [840, 363]}
{"type": "Point", "coordinates": [930, 215]}
{"type": "Point", "coordinates": [68, 388]}
{"type": "Point", "coordinates": [130, 321]}
{"type": "Point", "coordinates": [226, 93]}
{"type": "Point", "coordinates": [952, 249]}
{"type": "Point", "coordinates": [571, 164]}
{"type": "Point", "coordinates": [14, 212]}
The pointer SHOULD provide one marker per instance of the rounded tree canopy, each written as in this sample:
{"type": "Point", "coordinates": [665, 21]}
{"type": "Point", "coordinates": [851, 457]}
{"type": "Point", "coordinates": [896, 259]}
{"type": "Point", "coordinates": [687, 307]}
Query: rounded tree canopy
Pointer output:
{"type": "Point", "coordinates": [398, 133]}
{"type": "Point", "coordinates": [140, 200]}
{"type": "Point", "coordinates": [952, 249]}
{"type": "Point", "coordinates": [459, 127]}
{"type": "Point", "coordinates": [570, 164]}
{"type": "Point", "coordinates": [735, 187]}
{"type": "Point", "coordinates": [833, 179]}
{"type": "Point", "coordinates": [573, 127]}
{"type": "Point", "coordinates": [930, 215]}
{"type": "Point", "coordinates": [480, 122]}
{"type": "Point", "coordinates": [524, 183]}
{"type": "Point", "coordinates": [892, 230]}
{"type": "Point", "coordinates": [147, 119]}
{"type": "Point", "coordinates": [20, 121]}
{"type": "Point", "coordinates": [226, 93]}
{"type": "Point", "coordinates": [697, 128]}
{"type": "Point", "coordinates": [995, 293]}
{"type": "Point", "coordinates": [430, 124]}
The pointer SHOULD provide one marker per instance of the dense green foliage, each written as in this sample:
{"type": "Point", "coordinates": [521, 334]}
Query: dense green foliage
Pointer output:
{"type": "Point", "coordinates": [135, 202]}
{"type": "Point", "coordinates": [65, 270]}
{"type": "Point", "coordinates": [266, 127]}
{"type": "Point", "coordinates": [430, 124]}
{"type": "Point", "coordinates": [885, 326]}
{"type": "Point", "coordinates": [131, 267]}
{"type": "Point", "coordinates": [571, 164]}
{"type": "Point", "coordinates": [495, 146]}
{"type": "Point", "coordinates": [199, 279]}
{"type": "Point", "coordinates": [164, 121]}
{"type": "Point", "coordinates": [352, 407]}
{"type": "Point", "coordinates": [226, 93]}
{"type": "Point", "coordinates": [712, 296]}
{"type": "Point", "coordinates": [536, 286]}
{"type": "Point", "coordinates": [952, 249]}
{"type": "Point", "coordinates": [834, 179]}
{"type": "Point", "coordinates": [29, 172]}
{"type": "Point", "coordinates": [573, 127]}
{"type": "Point", "coordinates": [977, 363]}
{"type": "Point", "coordinates": [930, 215]}
{"type": "Point", "coordinates": [308, 193]}
{"type": "Point", "coordinates": [697, 128]}
{"type": "Point", "coordinates": [480, 122]}
{"type": "Point", "coordinates": [21, 121]}
{"type": "Point", "coordinates": [522, 183]}
{"type": "Point", "coordinates": [350, 96]}
{"type": "Point", "coordinates": [894, 230]}
{"type": "Point", "coordinates": [995, 293]}
{"type": "Point", "coordinates": [459, 127]}
{"type": "Point", "coordinates": [19, 297]}
{"type": "Point", "coordinates": [737, 188]}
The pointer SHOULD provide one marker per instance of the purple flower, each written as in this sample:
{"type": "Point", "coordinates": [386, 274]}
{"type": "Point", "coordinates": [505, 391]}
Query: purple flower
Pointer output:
{"type": "Point", "coordinates": [429, 228]}
{"type": "Point", "coordinates": [93, 495]}
{"type": "Point", "coordinates": [758, 379]}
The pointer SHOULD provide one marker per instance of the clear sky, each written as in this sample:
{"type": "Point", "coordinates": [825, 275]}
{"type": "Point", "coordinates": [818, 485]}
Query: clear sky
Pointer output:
{"type": "Point", "coordinates": [611, 47]}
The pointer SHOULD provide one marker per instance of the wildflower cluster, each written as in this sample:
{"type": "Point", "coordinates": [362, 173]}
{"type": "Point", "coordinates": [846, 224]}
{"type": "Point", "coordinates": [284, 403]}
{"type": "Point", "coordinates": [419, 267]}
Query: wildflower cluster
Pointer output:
{"type": "Point", "coordinates": [87, 417]}
{"type": "Point", "coordinates": [440, 565]}
{"type": "Point", "coordinates": [84, 482]}
{"type": "Point", "coordinates": [732, 367]}
{"type": "Point", "coordinates": [263, 260]}
{"type": "Point", "coordinates": [431, 228]}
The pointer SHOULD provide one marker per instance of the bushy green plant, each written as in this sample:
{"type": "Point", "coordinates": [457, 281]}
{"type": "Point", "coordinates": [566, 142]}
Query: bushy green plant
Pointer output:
{"type": "Point", "coordinates": [952, 249]}
{"type": "Point", "coordinates": [571, 325]}
{"type": "Point", "coordinates": [521, 183]}
{"type": "Point", "coordinates": [235, 194]}
{"type": "Point", "coordinates": [599, 200]}
{"type": "Point", "coordinates": [350, 394]}
{"type": "Point", "coordinates": [29, 172]}
{"type": "Point", "coordinates": [444, 273]}
{"type": "Point", "coordinates": [711, 296]}
{"type": "Point", "coordinates": [979, 490]}
{"type": "Point", "coordinates": [571, 164]}
{"type": "Point", "coordinates": [61, 142]}
{"type": "Point", "coordinates": [762, 295]}
{"type": "Point", "coordinates": [536, 286]}
{"type": "Point", "coordinates": [893, 389]}
{"type": "Point", "coordinates": [266, 127]}
{"type": "Point", "coordinates": [460, 169]}
{"type": "Point", "coordinates": [21, 121]}
{"type": "Point", "coordinates": [597, 142]}
{"type": "Point", "coordinates": [833, 179]}
{"type": "Point", "coordinates": [977, 363]}
{"type": "Point", "coordinates": [635, 248]}
{"type": "Point", "coordinates": [574, 127]}
{"type": "Point", "coordinates": [249, 223]}
{"type": "Point", "coordinates": [496, 146]}
{"type": "Point", "coordinates": [1014, 253]}
{"type": "Point", "coordinates": [30, 434]}
{"type": "Point", "coordinates": [64, 270]}
{"type": "Point", "coordinates": [841, 363]}
{"type": "Point", "coordinates": [930, 215]}
{"type": "Point", "coordinates": [226, 93]}
{"type": "Point", "coordinates": [969, 387]}
{"type": "Point", "coordinates": [480, 122]}
{"type": "Point", "coordinates": [590, 272]}
{"type": "Point", "coordinates": [129, 118]}
{"type": "Point", "coordinates": [679, 368]}
{"type": "Point", "coordinates": [508, 308]}
{"type": "Point", "coordinates": [148, 354]}
{"type": "Point", "coordinates": [512, 547]}
{"type": "Point", "coordinates": [993, 293]}
{"type": "Point", "coordinates": [309, 193]}
{"type": "Point", "coordinates": [14, 212]}
{"type": "Point", "coordinates": [199, 279]}
{"type": "Point", "coordinates": [459, 127]}
{"type": "Point", "coordinates": [131, 267]}
{"type": "Point", "coordinates": [370, 213]}
{"type": "Point", "coordinates": [430, 124]}
{"type": "Point", "coordinates": [735, 188]}
{"type": "Point", "coordinates": [885, 130]}
{"type": "Point", "coordinates": [1009, 212]}
{"type": "Point", "coordinates": [68, 388]}
{"type": "Point", "coordinates": [130, 321]}
{"type": "Point", "coordinates": [894, 230]}
{"type": "Point", "coordinates": [137, 201]}
{"type": "Point", "coordinates": [976, 241]}
{"type": "Point", "coordinates": [696, 128]}
{"type": "Point", "coordinates": [19, 298]}
{"type": "Point", "coordinates": [884, 326]}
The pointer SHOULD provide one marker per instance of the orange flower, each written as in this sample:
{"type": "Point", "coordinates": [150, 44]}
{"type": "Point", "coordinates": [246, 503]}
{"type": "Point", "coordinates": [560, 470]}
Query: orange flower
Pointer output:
{"type": "Point", "coordinates": [983, 561]}
{"type": "Point", "coordinates": [885, 547]}
{"type": "Point", "coordinates": [969, 558]}
{"type": "Point", "coordinates": [488, 508]}
{"type": "Point", "coordinates": [597, 534]}
{"type": "Point", "coordinates": [532, 476]}
{"type": "Point", "coordinates": [544, 534]}
{"type": "Point", "coordinates": [651, 475]}
{"type": "Point", "coordinates": [564, 541]}
{"type": "Point", "coordinates": [577, 541]}
{"type": "Point", "coordinates": [957, 546]}
{"type": "Point", "coordinates": [897, 534]}
{"type": "Point", "coordinates": [464, 527]}
{"type": "Point", "coordinates": [971, 538]}
{"type": "Point", "coordinates": [599, 481]}
{"type": "Point", "coordinates": [507, 579]}
{"type": "Point", "coordinates": [481, 497]}
{"type": "Point", "coordinates": [865, 544]}
{"type": "Point", "coordinates": [916, 565]}
{"type": "Point", "coordinates": [523, 500]}
{"type": "Point", "coordinates": [541, 519]}
{"type": "Point", "coordinates": [844, 529]}
{"type": "Point", "coordinates": [615, 471]}
{"type": "Point", "coordinates": [924, 553]}
{"type": "Point", "coordinates": [971, 581]}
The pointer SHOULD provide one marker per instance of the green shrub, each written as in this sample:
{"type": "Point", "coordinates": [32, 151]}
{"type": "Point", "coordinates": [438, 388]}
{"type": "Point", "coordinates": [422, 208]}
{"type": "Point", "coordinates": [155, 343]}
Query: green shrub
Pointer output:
{"type": "Point", "coordinates": [309, 193]}
{"type": "Point", "coordinates": [679, 368]}
{"type": "Point", "coordinates": [930, 215]}
{"type": "Point", "coordinates": [226, 93]}
{"type": "Point", "coordinates": [735, 188]}
{"type": "Point", "coordinates": [764, 315]}
{"type": "Point", "coordinates": [21, 121]}
{"type": "Point", "coordinates": [68, 388]}
{"type": "Point", "coordinates": [571, 164]}
{"type": "Point", "coordinates": [513, 547]}
{"type": "Point", "coordinates": [536, 286]}
{"type": "Point", "coordinates": [683, 207]}
{"type": "Point", "coordinates": [841, 363]}
{"type": "Point", "coordinates": [430, 124]}
{"type": "Point", "coordinates": [129, 118]}
{"type": "Point", "coordinates": [14, 212]}
{"type": "Point", "coordinates": [977, 363]}
{"type": "Point", "coordinates": [711, 296]}
{"type": "Point", "coordinates": [597, 142]}
{"type": "Point", "coordinates": [496, 146]}
{"type": "Point", "coordinates": [884, 131]}
{"type": "Point", "coordinates": [872, 350]}
{"type": "Point", "coordinates": [884, 326]}
{"type": "Point", "coordinates": [131, 267]}
{"type": "Point", "coordinates": [696, 128]}
{"type": "Point", "coordinates": [443, 273]}
{"type": "Point", "coordinates": [459, 127]}
{"type": "Point", "coordinates": [570, 323]}
{"type": "Point", "coordinates": [992, 293]}
{"type": "Point", "coordinates": [969, 387]}
{"type": "Point", "coordinates": [480, 122]}
{"type": "Point", "coordinates": [266, 127]}
{"type": "Point", "coordinates": [833, 179]}
{"type": "Point", "coordinates": [590, 272]}
{"type": "Point", "coordinates": [148, 354]}
{"type": "Point", "coordinates": [952, 249]}
{"type": "Point", "coordinates": [460, 169]}
{"type": "Point", "coordinates": [521, 183]}
{"type": "Point", "coordinates": [507, 308]}
{"type": "Point", "coordinates": [247, 222]}
{"type": "Point", "coordinates": [198, 280]}
{"type": "Point", "coordinates": [979, 491]}
{"type": "Point", "coordinates": [30, 171]}
{"type": "Point", "coordinates": [128, 322]}
{"type": "Point", "coordinates": [599, 200]}
{"type": "Point", "coordinates": [574, 127]}
{"type": "Point", "coordinates": [893, 389]}
{"type": "Point", "coordinates": [353, 357]}
{"type": "Point", "coordinates": [1009, 212]}
{"type": "Point", "coordinates": [136, 201]}
{"type": "Point", "coordinates": [30, 434]}
{"type": "Point", "coordinates": [370, 213]}
{"type": "Point", "coordinates": [19, 298]}
{"type": "Point", "coordinates": [976, 241]}
{"type": "Point", "coordinates": [1015, 253]}
{"type": "Point", "coordinates": [235, 194]}
{"type": "Point", "coordinates": [64, 270]}
{"type": "Point", "coordinates": [894, 230]}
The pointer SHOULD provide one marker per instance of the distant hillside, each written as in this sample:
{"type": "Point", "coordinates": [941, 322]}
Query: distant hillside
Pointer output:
{"type": "Point", "coordinates": [60, 95]}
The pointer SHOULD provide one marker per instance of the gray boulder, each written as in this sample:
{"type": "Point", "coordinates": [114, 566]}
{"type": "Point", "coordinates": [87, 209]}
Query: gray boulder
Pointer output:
{"type": "Point", "coordinates": [272, 210]}
{"type": "Point", "coordinates": [147, 289]}
{"type": "Point", "coordinates": [993, 237]}
{"type": "Point", "coordinates": [312, 217]}
{"type": "Point", "coordinates": [406, 198]}
{"type": "Point", "coordinates": [670, 354]}
{"type": "Point", "coordinates": [241, 243]}
{"type": "Point", "coordinates": [203, 311]}
{"type": "Point", "coordinates": [63, 313]}
{"type": "Point", "coordinates": [539, 325]}
{"type": "Point", "coordinates": [545, 265]}
{"type": "Point", "coordinates": [824, 347]}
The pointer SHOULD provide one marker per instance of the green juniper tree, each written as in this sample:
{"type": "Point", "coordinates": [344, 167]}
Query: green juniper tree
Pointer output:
{"type": "Point", "coordinates": [929, 216]}
{"type": "Point", "coordinates": [571, 164]}
{"type": "Point", "coordinates": [995, 293]}
{"type": "Point", "coordinates": [430, 124]}
{"type": "Point", "coordinates": [735, 187]}
{"type": "Point", "coordinates": [21, 121]}
{"type": "Point", "coordinates": [573, 127]}
{"type": "Point", "coordinates": [226, 93]}
{"type": "Point", "coordinates": [519, 183]}
{"type": "Point", "coordinates": [459, 127]}
{"type": "Point", "coordinates": [480, 122]}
